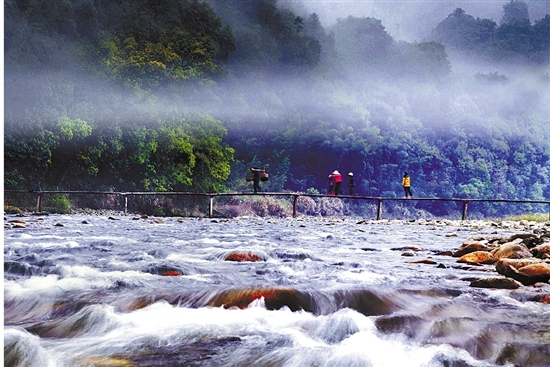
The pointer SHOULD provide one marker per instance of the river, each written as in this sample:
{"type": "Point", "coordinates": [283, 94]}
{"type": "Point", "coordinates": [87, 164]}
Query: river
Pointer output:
{"type": "Point", "coordinates": [93, 290]}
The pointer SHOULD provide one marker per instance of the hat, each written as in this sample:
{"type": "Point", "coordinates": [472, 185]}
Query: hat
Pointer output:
{"type": "Point", "coordinates": [335, 172]}
{"type": "Point", "coordinates": [350, 174]}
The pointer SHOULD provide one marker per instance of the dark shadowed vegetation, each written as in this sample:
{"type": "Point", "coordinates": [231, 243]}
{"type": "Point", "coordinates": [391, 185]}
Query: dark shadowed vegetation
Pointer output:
{"type": "Point", "coordinates": [183, 95]}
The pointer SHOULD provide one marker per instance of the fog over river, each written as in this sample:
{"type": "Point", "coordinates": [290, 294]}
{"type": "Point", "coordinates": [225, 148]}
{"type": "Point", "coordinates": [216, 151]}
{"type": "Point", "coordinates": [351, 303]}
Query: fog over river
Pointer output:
{"type": "Point", "coordinates": [86, 290]}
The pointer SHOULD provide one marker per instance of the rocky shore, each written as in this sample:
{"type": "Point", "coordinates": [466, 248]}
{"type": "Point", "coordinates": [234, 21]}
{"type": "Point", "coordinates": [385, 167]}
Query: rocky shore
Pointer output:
{"type": "Point", "coordinates": [522, 259]}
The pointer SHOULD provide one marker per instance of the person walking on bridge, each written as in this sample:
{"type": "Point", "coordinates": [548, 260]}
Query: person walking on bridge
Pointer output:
{"type": "Point", "coordinates": [337, 182]}
{"type": "Point", "coordinates": [406, 183]}
{"type": "Point", "coordinates": [256, 178]}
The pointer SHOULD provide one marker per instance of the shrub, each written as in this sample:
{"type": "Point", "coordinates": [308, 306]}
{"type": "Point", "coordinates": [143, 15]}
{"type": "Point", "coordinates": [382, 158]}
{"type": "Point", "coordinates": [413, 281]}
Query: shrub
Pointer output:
{"type": "Point", "coordinates": [58, 204]}
{"type": "Point", "coordinates": [12, 209]}
{"type": "Point", "coordinates": [306, 205]}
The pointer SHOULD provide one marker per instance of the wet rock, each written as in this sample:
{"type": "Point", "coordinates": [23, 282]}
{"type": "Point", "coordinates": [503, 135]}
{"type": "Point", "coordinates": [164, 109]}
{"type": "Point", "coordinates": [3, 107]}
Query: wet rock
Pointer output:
{"type": "Point", "coordinates": [471, 247]}
{"type": "Point", "coordinates": [407, 248]}
{"type": "Point", "coordinates": [105, 362]}
{"type": "Point", "coordinates": [423, 261]}
{"type": "Point", "coordinates": [535, 273]}
{"type": "Point", "coordinates": [541, 251]}
{"type": "Point", "coordinates": [526, 271]}
{"type": "Point", "coordinates": [17, 221]}
{"type": "Point", "coordinates": [368, 249]}
{"type": "Point", "coordinates": [498, 283]}
{"type": "Point", "coordinates": [451, 234]}
{"type": "Point", "coordinates": [243, 256]}
{"type": "Point", "coordinates": [407, 254]}
{"type": "Point", "coordinates": [112, 218]}
{"type": "Point", "coordinates": [477, 257]}
{"type": "Point", "coordinates": [512, 250]}
{"type": "Point", "coordinates": [503, 266]}
{"type": "Point", "coordinates": [84, 222]}
{"type": "Point", "coordinates": [172, 273]}
{"type": "Point", "coordinates": [19, 225]}
{"type": "Point", "coordinates": [274, 298]}
{"type": "Point", "coordinates": [165, 270]}
{"type": "Point", "coordinates": [59, 225]}
{"type": "Point", "coordinates": [409, 325]}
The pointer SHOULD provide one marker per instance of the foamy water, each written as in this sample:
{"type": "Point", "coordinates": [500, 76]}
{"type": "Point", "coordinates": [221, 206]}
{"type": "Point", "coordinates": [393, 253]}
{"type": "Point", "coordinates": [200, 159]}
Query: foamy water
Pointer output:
{"type": "Point", "coordinates": [318, 293]}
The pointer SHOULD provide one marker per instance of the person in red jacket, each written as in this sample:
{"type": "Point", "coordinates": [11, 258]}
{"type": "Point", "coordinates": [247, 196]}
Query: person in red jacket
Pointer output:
{"type": "Point", "coordinates": [337, 182]}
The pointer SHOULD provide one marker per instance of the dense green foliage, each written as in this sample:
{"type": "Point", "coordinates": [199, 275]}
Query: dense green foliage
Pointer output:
{"type": "Point", "coordinates": [186, 95]}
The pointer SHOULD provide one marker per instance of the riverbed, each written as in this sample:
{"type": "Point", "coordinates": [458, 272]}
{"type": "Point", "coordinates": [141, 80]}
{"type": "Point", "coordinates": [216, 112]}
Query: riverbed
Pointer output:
{"type": "Point", "coordinates": [121, 290]}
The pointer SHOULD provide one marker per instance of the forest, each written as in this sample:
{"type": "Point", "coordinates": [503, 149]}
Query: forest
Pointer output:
{"type": "Point", "coordinates": [186, 95]}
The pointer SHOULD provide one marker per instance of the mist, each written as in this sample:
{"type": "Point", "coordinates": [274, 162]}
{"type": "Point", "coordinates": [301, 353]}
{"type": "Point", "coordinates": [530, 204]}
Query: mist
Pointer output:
{"type": "Point", "coordinates": [410, 20]}
{"type": "Point", "coordinates": [397, 104]}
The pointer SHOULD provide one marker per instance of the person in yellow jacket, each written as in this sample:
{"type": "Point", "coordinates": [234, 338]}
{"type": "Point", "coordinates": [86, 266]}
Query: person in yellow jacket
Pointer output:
{"type": "Point", "coordinates": [407, 185]}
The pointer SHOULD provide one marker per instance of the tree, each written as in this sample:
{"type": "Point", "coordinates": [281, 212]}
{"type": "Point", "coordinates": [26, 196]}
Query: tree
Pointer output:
{"type": "Point", "coordinates": [362, 42]}
{"type": "Point", "coordinates": [515, 11]}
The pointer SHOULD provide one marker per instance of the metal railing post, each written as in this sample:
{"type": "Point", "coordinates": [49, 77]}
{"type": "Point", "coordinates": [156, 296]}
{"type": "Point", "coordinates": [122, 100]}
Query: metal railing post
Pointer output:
{"type": "Point", "coordinates": [125, 204]}
{"type": "Point", "coordinates": [464, 209]}
{"type": "Point", "coordinates": [211, 207]}
{"type": "Point", "coordinates": [39, 203]}
{"type": "Point", "coordinates": [379, 211]}
{"type": "Point", "coordinates": [294, 206]}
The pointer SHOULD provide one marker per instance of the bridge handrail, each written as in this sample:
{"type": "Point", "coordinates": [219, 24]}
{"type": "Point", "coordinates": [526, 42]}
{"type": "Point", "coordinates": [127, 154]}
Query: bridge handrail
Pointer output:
{"type": "Point", "coordinates": [295, 195]}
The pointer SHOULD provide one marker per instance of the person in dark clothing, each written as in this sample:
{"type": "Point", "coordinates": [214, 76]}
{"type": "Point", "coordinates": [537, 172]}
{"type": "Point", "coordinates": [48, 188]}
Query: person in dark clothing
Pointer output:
{"type": "Point", "coordinates": [351, 184]}
{"type": "Point", "coordinates": [330, 186]}
{"type": "Point", "coordinates": [256, 178]}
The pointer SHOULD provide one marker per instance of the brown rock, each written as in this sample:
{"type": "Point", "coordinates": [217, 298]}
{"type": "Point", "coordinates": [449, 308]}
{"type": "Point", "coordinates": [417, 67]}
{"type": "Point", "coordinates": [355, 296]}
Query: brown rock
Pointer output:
{"type": "Point", "coordinates": [243, 256]}
{"type": "Point", "coordinates": [503, 266]}
{"type": "Point", "coordinates": [541, 251]}
{"type": "Point", "coordinates": [424, 261]}
{"type": "Point", "coordinates": [511, 250]}
{"type": "Point", "coordinates": [274, 298]}
{"type": "Point", "coordinates": [471, 247]}
{"type": "Point", "coordinates": [535, 273]}
{"type": "Point", "coordinates": [498, 283]}
{"type": "Point", "coordinates": [477, 257]}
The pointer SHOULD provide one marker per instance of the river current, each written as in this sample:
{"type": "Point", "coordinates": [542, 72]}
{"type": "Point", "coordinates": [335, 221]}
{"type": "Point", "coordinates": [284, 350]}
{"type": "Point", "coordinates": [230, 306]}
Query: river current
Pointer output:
{"type": "Point", "coordinates": [92, 290]}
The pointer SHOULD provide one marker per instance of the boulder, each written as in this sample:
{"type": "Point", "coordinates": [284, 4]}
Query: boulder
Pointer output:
{"type": "Point", "coordinates": [477, 257]}
{"type": "Point", "coordinates": [541, 251]}
{"type": "Point", "coordinates": [471, 247]}
{"type": "Point", "coordinates": [241, 256]}
{"type": "Point", "coordinates": [526, 271]}
{"type": "Point", "coordinates": [498, 283]}
{"type": "Point", "coordinates": [423, 261]}
{"type": "Point", "coordinates": [535, 273]}
{"type": "Point", "coordinates": [274, 298]}
{"type": "Point", "coordinates": [511, 250]}
{"type": "Point", "coordinates": [503, 266]}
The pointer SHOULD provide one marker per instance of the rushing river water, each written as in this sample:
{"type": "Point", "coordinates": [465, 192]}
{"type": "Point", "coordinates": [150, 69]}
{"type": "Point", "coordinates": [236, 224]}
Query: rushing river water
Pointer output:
{"type": "Point", "coordinates": [83, 290]}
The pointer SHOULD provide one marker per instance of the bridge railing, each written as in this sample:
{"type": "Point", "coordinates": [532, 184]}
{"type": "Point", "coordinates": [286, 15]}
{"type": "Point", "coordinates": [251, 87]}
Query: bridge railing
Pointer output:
{"type": "Point", "coordinates": [294, 195]}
